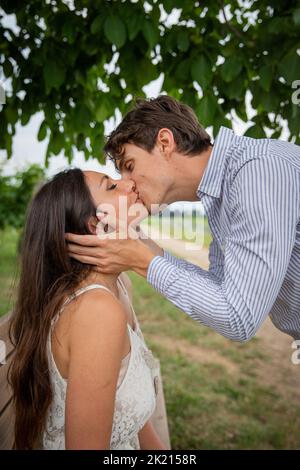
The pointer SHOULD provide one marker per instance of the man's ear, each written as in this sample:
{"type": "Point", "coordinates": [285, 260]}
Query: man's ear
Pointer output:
{"type": "Point", "coordinates": [92, 224]}
{"type": "Point", "coordinates": [165, 142]}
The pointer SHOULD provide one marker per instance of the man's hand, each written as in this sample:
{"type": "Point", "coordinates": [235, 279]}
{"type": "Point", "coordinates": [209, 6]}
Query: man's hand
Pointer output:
{"type": "Point", "coordinates": [111, 256]}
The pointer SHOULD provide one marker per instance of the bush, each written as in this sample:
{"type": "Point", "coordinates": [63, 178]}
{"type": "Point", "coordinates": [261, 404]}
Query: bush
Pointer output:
{"type": "Point", "coordinates": [15, 194]}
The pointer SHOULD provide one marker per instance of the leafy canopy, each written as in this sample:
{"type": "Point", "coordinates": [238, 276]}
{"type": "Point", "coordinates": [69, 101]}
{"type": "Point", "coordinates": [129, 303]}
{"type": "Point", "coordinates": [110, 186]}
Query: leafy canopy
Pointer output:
{"type": "Point", "coordinates": [78, 61]}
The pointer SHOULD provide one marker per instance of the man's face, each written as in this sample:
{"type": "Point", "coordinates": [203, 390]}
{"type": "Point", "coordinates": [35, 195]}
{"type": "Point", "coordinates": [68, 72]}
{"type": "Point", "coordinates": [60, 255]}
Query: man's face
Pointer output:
{"type": "Point", "coordinates": [150, 171]}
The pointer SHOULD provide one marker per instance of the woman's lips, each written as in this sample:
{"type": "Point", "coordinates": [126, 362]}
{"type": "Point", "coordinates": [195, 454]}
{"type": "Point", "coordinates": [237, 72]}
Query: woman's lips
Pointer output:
{"type": "Point", "coordinates": [138, 199]}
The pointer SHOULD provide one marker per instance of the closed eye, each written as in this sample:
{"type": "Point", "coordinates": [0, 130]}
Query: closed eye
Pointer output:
{"type": "Point", "coordinates": [113, 186]}
{"type": "Point", "coordinates": [128, 167]}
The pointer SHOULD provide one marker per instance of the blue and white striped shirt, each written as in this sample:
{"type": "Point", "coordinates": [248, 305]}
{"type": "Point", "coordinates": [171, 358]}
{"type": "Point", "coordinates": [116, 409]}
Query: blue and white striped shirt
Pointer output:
{"type": "Point", "coordinates": [251, 195]}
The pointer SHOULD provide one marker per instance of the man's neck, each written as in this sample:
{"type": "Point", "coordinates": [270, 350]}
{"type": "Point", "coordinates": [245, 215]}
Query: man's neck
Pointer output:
{"type": "Point", "coordinates": [188, 173]}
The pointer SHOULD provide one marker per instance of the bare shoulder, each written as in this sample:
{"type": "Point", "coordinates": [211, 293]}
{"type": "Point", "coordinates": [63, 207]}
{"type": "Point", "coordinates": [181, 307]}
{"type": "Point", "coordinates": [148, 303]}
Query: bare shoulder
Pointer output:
{"type": "Point", "coordinates": [98, 313]}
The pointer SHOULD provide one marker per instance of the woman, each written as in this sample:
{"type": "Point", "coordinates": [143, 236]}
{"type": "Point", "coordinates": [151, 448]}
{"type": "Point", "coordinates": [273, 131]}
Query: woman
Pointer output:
{"type": "Point", "coordinates": [82, 376]}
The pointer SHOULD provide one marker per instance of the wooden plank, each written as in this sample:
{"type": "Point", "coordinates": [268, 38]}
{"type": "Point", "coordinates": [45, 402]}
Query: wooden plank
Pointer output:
{"type": "Point", "coordinates": [4, 336]}
{"type": "Point", "coordinates": [7, 428]}
{"type": "Point", "coordinates": [5, 389]}
{"type": "Point", "coordinates": [6, 404]}
{"type": "Point", "coordinates": [4, 320]}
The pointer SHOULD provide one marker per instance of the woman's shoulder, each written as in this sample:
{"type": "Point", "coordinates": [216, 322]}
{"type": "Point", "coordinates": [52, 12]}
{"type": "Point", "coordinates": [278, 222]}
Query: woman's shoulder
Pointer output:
{"type": "Point", "coordinates": [99, 312]}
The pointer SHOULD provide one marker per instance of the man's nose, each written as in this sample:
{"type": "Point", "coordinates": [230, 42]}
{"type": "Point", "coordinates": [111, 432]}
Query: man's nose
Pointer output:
{"type": "Point", "coordinates": [129, 185]}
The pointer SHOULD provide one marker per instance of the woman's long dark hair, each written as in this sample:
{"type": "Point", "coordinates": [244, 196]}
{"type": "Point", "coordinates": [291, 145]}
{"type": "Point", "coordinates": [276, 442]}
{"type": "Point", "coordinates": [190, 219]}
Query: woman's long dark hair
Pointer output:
{"type": "Point", "coordinates": [48, 274]}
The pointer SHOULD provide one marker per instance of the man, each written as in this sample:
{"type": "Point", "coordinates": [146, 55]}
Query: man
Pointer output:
{"type": "Point", "coordinates": [250, 190]}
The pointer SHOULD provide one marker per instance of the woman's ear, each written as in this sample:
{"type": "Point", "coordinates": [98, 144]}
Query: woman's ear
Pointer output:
{"type": "Point", "coordinates": [92, 224]}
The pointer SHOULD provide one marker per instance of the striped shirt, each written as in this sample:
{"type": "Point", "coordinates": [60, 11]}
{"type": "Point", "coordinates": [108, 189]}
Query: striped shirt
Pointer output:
{"type": "Point", "coordinates": [250, 191]}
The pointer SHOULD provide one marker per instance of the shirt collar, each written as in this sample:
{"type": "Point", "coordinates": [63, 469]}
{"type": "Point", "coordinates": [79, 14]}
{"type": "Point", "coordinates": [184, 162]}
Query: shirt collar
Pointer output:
{"type": "Point", "coordinates": [212, 178]}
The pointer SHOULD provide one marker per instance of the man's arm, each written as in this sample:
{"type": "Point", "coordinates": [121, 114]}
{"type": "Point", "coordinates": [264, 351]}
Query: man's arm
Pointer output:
{"type": "Point", "coordinates": [215, 257]}
{"type": "Point", "coordinates": [264, 212]}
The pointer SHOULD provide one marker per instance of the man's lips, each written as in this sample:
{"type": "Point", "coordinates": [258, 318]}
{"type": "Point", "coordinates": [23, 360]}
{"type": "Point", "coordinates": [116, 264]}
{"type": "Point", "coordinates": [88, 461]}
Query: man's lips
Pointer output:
{"type": "Point", "coordinates": [138, 199]}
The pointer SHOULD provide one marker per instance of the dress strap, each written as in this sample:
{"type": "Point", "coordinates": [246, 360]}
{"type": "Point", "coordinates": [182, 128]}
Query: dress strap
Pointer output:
{"type": "Point", "coordinates": [136, 323]}
{"type": "Point", "coordinates": [80, 291]}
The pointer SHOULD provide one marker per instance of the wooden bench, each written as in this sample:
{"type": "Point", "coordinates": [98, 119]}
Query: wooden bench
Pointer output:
{"type": "Point", "coordinates": [6, 406]}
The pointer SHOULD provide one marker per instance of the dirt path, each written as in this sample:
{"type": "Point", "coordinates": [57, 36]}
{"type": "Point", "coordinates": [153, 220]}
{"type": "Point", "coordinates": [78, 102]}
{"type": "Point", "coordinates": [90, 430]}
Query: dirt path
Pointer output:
{"type": "Point", "coordinates": [279, 371]}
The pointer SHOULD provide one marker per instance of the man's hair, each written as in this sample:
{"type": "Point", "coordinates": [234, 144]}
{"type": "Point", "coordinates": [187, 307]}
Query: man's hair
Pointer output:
{"type": "Point", "coordinates": [141, 125]}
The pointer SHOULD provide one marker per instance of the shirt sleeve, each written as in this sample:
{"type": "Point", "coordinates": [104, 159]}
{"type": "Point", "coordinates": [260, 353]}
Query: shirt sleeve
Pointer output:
{"type": "Point", "coordinates": [183, 264]}
{"type": "Point", "coordinates": [216, 260]}
{"type": "Point", "coordinates": [264, 210]}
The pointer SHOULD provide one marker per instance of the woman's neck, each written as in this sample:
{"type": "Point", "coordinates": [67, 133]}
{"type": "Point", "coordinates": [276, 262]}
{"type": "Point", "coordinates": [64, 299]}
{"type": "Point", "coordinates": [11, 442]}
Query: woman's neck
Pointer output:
{"type": "Point", "coordinates": [107, 280]}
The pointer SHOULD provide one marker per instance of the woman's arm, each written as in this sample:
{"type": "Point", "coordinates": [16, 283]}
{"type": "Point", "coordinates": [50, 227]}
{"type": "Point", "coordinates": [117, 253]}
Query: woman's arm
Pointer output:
{"type": "Point", "coordinates": [97, 336]}
{"type": "Point", "coordinates": [149, 439]}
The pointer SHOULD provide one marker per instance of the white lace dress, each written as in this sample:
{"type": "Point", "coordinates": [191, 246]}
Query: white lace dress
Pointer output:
{"type": "Point", "coordinates": [135, 396]}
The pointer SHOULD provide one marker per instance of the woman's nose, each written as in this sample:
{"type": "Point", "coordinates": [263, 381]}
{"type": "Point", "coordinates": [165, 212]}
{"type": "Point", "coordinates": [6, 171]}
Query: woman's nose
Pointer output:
{"type": "Point", "coordinates": [129, 185]}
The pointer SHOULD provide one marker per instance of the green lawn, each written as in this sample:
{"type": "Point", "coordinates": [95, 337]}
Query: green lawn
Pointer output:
{"type": "Point", "coordinates": [8, 268]}
{"type": "Point", "coordinates": [214, 397]}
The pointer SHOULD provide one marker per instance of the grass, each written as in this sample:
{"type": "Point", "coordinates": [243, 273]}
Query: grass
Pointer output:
{"type": "Point", "coordinates": [214, 397]}
{"type": "Point", "coordinates": [8, 268]}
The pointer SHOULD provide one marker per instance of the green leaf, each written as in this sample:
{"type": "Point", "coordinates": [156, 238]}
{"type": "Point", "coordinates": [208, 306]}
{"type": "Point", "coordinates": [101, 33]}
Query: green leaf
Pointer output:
{"type": "Point", "coordinates": [231, 68]}
{"type": "Point", "coordinates": [235, 89]}
{"type": "Point", "coordinates": [81, 117]}
{"type": "Point", "coordinates": [102, 112]}
{"type": "Point", "coordinates": [134, 24]}
{"type": "Point", "coordinates": [267, 102]}
{"type": "Point", "coordinates": [296, 16]}
{"type": "Point", "coordinates": [11, 113]}
{"type": "Point", "coordinates": [7, 68]}
{"type": "Point", "coordinates": [151, 33]}
{"type": "Point", "coordinates": [56, 142]}
{"type": "Point", "coordinates": [69, 32]}
{"type": "Point", "coordinates": [25, 117]}
{"type": "Point", "coordinates": [97, 147]}
{"type": "Point", "coordinates": [241, 110]}
{"type": "Point", "coordinates": [42, 133]}
{"type": "Point", "coordinates": [96, 25]}
{"type": "Point", "coordinates": [115, 31]}
{"type": "Point", "coordinates": [206, 109]}
{"type": "Point", "coordinates": [54, 74]}
{"type": "Point", "coordinates": [201, 71]}
{"type": "Point", "coordinates": [8, 141]}
{"type": "Point", "coordinates": [147, 72]}
{"type": "Point", "coordinates": [183, 41]}
{"type": "Point", "coordinates": [266, 76]}
{"type": "Point", "coordinates": [80, 141]}
{"type": "Point", "coordinates": [220, 120]}
{"type": "Point", "coordinates": [168, 5]}
{"type": "Point", "coordinates": [182, 70]}
{"type": "Point", "coordinates": [255, 131]}
{"type": "Point", "coordinates": [289, 67]}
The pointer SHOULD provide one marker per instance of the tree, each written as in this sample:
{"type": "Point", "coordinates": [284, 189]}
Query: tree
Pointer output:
{"type": "Point", "coordinates": [78, 61]}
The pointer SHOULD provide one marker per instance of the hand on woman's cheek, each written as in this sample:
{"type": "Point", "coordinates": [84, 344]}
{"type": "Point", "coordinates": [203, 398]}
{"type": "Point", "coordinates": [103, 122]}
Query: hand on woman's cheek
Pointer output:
{"type": "Point", "coordinates": [92, 225]}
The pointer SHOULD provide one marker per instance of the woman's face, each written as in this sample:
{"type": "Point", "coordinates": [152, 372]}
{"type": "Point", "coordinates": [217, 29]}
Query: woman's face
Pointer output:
{"type": "Point", "coordinates": [116, 198]}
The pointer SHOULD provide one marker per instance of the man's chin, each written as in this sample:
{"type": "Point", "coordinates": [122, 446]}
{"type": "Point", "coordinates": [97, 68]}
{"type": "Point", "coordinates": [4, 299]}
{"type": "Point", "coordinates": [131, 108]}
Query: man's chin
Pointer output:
{"type": "Point", "coordinates": [156, 208]}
